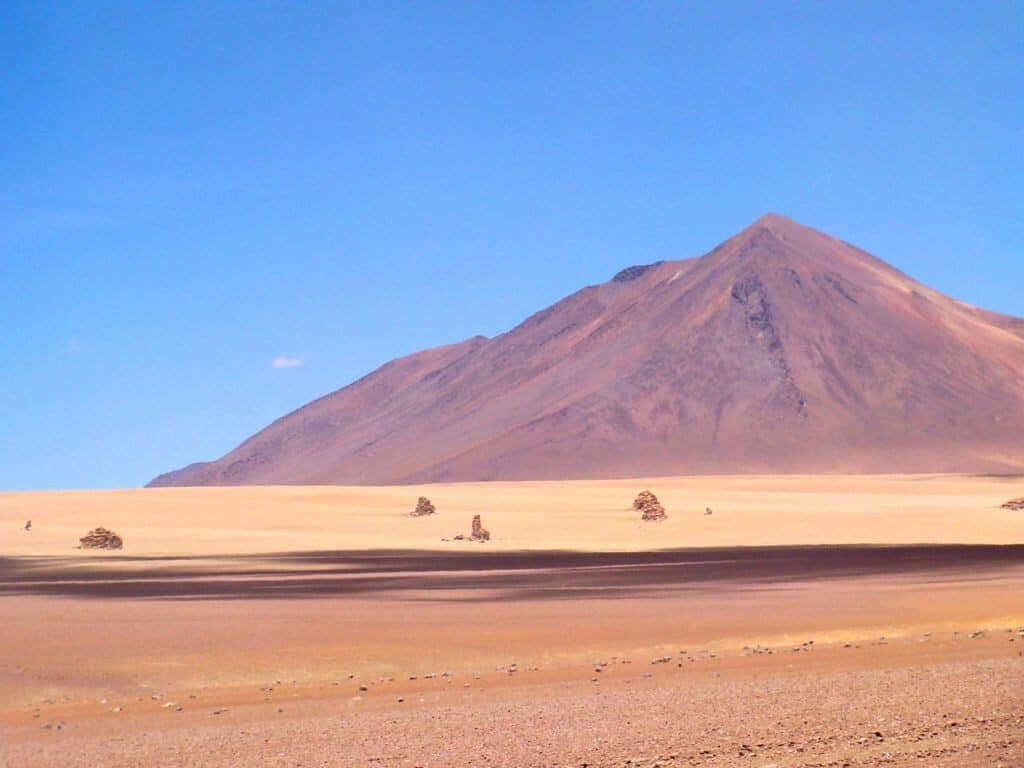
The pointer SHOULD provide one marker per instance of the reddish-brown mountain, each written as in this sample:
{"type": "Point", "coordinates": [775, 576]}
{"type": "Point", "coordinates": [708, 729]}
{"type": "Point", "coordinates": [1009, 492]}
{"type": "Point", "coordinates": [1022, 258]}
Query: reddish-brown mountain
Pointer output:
{"type": "Point", "coordinates": [782, 350]}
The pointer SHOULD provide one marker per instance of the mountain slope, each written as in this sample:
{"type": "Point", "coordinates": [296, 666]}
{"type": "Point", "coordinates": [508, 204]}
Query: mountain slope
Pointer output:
{"type": "Point", "coordinates": [783, 349]}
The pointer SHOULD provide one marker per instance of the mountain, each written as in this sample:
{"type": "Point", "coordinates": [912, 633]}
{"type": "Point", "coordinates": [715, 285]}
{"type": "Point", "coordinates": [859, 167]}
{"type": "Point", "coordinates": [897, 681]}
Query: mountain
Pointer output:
{"type": "Point", "coordinates": [781, 350]}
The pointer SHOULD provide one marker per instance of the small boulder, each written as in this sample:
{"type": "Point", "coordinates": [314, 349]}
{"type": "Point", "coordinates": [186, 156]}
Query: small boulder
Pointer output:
{"type": "Point", "coordinates": [101, 538]}
{"type": "Point", "coordinates": [653, 511]}
{"type": "Point", "coordinates": [643, 499]}
{"type": "Point", "coordinates": [649, 506]}
{"type": "Point", "coordinates": [423, 507]}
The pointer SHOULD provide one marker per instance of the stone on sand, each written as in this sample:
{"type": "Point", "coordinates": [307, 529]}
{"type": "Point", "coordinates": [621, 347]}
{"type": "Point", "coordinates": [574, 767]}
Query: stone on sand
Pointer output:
{"type": "Point", "coordinates": [649, 506]}
{"type": "Point", "coordinates": [423, 507]}
{"type": "Point", "coordinates": [643, 499]}
{"type": "Point", "coordinates": [101, 538]}
{"type": "Point", "coordinates": [479, 532]}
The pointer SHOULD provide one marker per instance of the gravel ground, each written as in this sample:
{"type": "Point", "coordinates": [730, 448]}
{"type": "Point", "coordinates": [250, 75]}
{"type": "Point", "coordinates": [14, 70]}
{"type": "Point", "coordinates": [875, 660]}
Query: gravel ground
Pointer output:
{"type": "Point", "coordinates": [961, 713]}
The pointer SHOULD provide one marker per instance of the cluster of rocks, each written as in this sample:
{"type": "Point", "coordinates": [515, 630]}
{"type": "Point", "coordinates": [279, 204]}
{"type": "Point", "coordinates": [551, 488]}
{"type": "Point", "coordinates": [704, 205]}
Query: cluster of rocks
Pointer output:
{"type": "Point", "coordinates": [478, 533]}
{"type": "Point", "coordinates": [423, 507]}
{"type": "Point", "coordinates": [101, 538]}
{"type": "Point", "coordinates": [649, 506]}
{"type": "Point", "coordinates": [1015, 504]}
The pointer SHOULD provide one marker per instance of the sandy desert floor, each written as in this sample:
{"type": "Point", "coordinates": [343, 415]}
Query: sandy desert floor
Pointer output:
{"type": "Point", "coordinates": [586, 515]}
{"type": "Point", "coordinates": [809, 621]}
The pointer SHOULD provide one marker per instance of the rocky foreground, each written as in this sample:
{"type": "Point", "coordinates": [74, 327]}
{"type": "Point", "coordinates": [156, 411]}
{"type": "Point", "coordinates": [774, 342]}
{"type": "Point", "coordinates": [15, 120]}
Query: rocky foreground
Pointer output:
{"type": "Point", "coordinates": [883, 711]}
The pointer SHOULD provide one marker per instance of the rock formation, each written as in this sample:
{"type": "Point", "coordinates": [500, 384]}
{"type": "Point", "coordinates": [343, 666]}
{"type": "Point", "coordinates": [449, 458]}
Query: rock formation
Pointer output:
{"type": "Point", "coordinates": [101, 538]}
{"type": "Point", "coordinates": [643, 499]}
{"type": "Point", "coordinates": [423, 507]}
{"type": "Point", "coordinates": [479, 532]}
{"type": "Point", "coordinates": [1015, 504]}
{"type": "Point", "coordinates": [653, 512]}
{"type": "Point", "coordinates": [649, 506]}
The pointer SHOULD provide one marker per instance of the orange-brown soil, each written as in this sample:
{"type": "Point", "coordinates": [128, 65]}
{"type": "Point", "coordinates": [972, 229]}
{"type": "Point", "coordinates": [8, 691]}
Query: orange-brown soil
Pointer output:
{"type": "Point", "coordinates": [483, 654]}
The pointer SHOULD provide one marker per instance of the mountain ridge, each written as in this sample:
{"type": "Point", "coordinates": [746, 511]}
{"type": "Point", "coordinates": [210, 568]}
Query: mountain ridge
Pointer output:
{"type": "Point", "coordinates": [782, 349]}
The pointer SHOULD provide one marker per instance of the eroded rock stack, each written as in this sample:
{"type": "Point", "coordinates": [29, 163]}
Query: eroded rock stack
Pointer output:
{"type": "Point", "coordinates": [423, 507]}
{"type": "Point", "coordinates": [649, 506]}
{"type": "Point", "coordinates": [101, 538]}
{"type": "Point", "coordinates": [1015, 504]}
{"type": "Point", "coordinates": [479, 532]}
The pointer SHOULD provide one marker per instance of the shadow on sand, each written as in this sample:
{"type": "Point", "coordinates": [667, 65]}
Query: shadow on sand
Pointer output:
{"type": "Point", "coordinates": [482, 575]}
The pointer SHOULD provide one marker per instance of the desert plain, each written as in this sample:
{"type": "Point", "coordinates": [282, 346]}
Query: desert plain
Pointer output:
{"type": "Point", "coordinates": [806, 621]}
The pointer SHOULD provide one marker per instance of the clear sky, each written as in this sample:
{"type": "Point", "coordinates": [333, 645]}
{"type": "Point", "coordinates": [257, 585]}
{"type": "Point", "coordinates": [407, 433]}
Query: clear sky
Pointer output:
{"type": "Point", "coordinates": [190, 192]}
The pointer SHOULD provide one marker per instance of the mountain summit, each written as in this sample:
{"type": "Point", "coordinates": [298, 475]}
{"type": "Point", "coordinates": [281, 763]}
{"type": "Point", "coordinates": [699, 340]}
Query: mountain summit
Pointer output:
{"type": "Point", "coordinates": [781, 350]}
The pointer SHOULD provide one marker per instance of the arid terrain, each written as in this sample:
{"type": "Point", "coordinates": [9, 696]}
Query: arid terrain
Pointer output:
{"type": "Point", "coordinates": [807, 621]}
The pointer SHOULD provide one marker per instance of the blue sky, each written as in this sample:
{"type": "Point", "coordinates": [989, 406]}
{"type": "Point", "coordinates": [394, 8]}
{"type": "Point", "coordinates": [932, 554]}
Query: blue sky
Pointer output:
{"type": "Point", "coordinates": [189, 191]}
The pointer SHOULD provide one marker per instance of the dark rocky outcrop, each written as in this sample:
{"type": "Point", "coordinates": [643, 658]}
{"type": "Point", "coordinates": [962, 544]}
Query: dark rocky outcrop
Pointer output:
{"type": "Point", "coordinates": [751, 294]}
{"type": "Point", "coordinates": [632, 273]}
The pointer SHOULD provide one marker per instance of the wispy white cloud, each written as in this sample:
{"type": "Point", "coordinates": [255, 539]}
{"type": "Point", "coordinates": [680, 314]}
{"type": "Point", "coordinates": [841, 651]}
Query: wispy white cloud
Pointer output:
{"type": "Point", "coordinates": [283, 361]}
